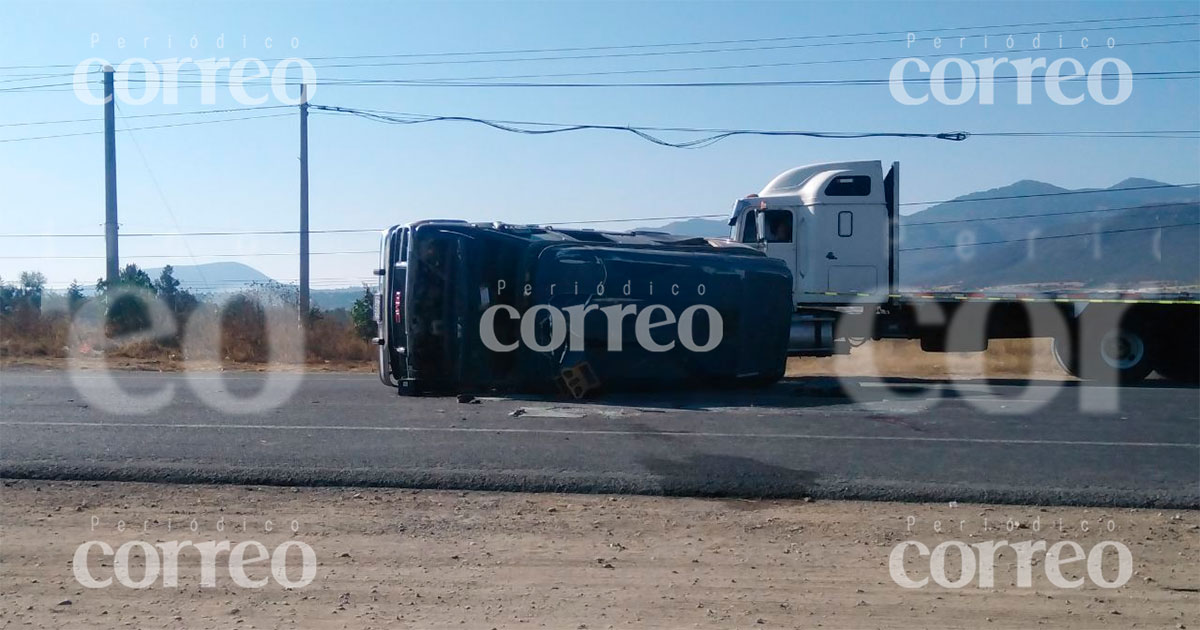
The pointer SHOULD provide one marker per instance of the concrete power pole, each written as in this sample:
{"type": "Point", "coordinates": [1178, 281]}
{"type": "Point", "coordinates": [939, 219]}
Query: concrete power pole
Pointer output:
{"type": "Point", "coordinates": [112, 270]}
{"type": "Point", "coordinates": [304, 204]}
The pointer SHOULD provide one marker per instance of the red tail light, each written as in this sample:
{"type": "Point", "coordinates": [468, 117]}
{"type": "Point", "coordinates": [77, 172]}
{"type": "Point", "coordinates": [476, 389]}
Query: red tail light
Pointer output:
{"type": "Point", "coordinates": [398, 307]}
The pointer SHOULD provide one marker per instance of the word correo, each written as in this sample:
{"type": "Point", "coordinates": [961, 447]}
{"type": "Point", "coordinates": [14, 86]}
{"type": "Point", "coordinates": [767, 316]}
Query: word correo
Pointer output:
{"type": "Point", "coordinates": [1056, 72]}
{"type": "Point", "coordinates": [644, 322]}
{"type": "Point", "coordinates": [151, 77]}
{"type": "Point", "coordinates": [983, 565]}
{"type": "Point", "coordinates": [162, 559]}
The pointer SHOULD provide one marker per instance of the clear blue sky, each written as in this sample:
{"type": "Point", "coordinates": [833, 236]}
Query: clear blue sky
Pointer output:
{"type": "Point", "coordinates": [243, 175]}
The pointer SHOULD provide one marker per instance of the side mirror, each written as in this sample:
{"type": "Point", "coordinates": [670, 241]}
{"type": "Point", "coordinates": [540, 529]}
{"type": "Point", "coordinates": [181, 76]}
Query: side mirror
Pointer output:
{"type": "Point", "coordinates": [760, 226]}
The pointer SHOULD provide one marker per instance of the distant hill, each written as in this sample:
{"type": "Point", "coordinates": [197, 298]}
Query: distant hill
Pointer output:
{"type": "Point", "coordinates": [1033, 227]}
{"type": "Point", "coordinates": [1037, 219]}
{"type": "Point", "coordinates": [217, 276]}
{"type": "Point", "coordinates": [696, 227]}
{"type": "Point", "coordinates": [330, 299]}
{"type": "Point", "coordinates": [231, 276]}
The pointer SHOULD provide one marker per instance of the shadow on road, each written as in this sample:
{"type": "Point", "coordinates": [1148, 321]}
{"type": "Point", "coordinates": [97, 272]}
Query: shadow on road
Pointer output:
{"type": "Point", "coordinates": [727, 476]}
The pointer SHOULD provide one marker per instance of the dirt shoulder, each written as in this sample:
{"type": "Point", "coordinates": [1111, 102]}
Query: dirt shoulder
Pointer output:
{"type": "Point", "coordinates": [423, 559]}
{"type": "Point", "coordinates": [176, 365]}
{"type": "Point", "coordinates": [1004, 358]}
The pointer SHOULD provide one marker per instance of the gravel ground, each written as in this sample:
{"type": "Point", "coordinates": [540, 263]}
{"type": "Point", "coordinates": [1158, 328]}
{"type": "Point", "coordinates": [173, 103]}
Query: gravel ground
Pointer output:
{"type": "Point", "coordinates": [422, 559]}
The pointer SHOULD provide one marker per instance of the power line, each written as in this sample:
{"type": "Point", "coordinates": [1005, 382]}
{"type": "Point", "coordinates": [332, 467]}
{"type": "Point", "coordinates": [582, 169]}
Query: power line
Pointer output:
{"type": "Point", "coordinates": [196, 287]}
{"type": "Point", "coordinates": [33, 77]}
{"type": "Point", "coordinates": [957, 200]}
{"type": "Point", "coordinates": [465, 83]}
{"type": "Point", "coordinates": [246, 255]}
{"type": "Point", "coordinates": [926, 29]}
{"type": "Point", "coordinates": [1045, 214]}
{"type": "Point", "coordinates": [766, 39]}
{"type": "Point", "coordinates": [783, 64]}
{"type": "Point", "coordinates": [637, 131]}
{"type": "Point", "coordinates": [522, 127]}
{"type": "Point", "coordinates": [904, 224]}
{"type": "Point", "coordinates": [36, 88]}
{"type": "Point", "coordinates": [1144, 76]}
{"type": "Point", "coordinates": [666, 53]}
{"type": "Point", "coordinates": [766, 83]}
{"type": "Point", "coordinates": [212, 233]}
{"type": "Point", "coordinates": [371, 251]}
{"type": "Point", "coordinates": [1055, 236]}
{"type": "Point", "coordinates": [129, 129]}
{"type": "Point", "coordinates": [156, 115]}
{"type": "Point", "coordinates": [413, 118]}
{"type": "Point", "coordinates": [673, 217]}
{"type": "Point", "coordinates": [358, 82]}
{"type": "Point", "coordinates": [679, 217]}
{"type": "Point", "coordinates": [1048, 194]}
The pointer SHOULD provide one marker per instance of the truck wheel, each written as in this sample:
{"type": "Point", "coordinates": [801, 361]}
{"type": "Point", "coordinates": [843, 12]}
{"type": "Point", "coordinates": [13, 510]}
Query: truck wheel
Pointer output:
{"type": "Point", "coordinates": [1063, 356]}
{"type": "Point", "coordinates": [1181, 363]}
{"type": "Point", "coordinates": [1123, 353]}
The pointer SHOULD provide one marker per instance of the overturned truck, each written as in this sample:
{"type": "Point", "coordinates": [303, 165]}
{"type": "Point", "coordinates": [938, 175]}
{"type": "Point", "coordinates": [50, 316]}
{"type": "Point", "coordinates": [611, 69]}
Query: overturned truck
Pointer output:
{"type": "Point", "coordinates": [471, 308]}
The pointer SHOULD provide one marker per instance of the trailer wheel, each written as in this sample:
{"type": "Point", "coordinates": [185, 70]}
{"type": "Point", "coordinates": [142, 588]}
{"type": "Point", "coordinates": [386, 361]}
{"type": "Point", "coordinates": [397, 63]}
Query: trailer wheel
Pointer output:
{"type": "Point", "coordinates": [1120, 353]}
{"type": "Point", "coordinates": [1181, 363]}
{"type": "Point", "coordinates": [1063, 356]}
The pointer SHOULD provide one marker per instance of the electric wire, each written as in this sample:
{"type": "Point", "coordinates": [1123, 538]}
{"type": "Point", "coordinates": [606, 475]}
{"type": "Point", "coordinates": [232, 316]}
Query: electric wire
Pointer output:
{"type": "Point", "coordinates": [1051, 237]}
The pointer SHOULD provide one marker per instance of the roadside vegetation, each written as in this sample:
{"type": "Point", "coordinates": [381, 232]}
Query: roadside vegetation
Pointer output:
{"type": "Point", "coordinates": [114, 321]}
{"type": "Point", "coordinates": [35, 323]}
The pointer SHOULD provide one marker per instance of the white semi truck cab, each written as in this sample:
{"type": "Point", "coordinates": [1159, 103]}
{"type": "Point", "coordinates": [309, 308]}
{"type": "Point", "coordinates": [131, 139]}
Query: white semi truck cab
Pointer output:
{"type": "Point", "coordinates": [833, 224]}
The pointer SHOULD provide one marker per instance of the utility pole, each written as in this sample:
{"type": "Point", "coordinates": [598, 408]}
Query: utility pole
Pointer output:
{"type": "Point", "coordinates": [112, 269]}
{"type": "Point", "coordinates": [304, 204]}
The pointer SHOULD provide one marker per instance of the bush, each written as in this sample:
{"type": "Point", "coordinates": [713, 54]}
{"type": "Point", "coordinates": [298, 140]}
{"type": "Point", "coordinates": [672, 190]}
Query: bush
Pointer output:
{"type": "Point", "coordinates": [237, 332]}
{"type": "Point", "coordinates": [363, 316]}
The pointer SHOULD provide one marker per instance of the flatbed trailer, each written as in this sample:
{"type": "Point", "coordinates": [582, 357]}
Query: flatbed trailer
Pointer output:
{"type": "Point", "coordinates": [836, 226]}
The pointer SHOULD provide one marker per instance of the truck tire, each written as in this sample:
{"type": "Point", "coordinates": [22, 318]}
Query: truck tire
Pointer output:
{"type": "Point", "coordinates": [1124, 352]}
{"type": "Point", "coordinates": [1180, 363]}
{"type": "Point", "coordinates": [1064, 357]}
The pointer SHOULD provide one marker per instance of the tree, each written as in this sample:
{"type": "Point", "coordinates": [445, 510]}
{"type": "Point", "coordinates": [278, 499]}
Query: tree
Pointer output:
{"type": "Point", "coordinates": [362, 315]}
{"type": "Point", "coordinates": [27, 295]}
{"type": "Point", "coordinates": [33, 283]}
{"type": "Point", "coordinates": [8, 296]}
{"type": "Point", "coordinates": [75, 297]}
{"type": "Point", "coordinates": [167, 284]}
{"type": "Point", "coordinates": [126, 313]}
{"type": "Point", "coordinates": [130, 277]}
{"type": "Point", "coordinates": [180, 301]}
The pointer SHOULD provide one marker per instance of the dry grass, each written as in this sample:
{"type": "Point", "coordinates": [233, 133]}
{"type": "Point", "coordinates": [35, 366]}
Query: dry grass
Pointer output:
{"type": "Point", "coordinates": [238, 337]}
{"type": "Point", "coordinates": [332, 340]}
{"type": "Point", "coordinates": [28, 333]}
{"type": "Point", "coordinates": [1003, 358]}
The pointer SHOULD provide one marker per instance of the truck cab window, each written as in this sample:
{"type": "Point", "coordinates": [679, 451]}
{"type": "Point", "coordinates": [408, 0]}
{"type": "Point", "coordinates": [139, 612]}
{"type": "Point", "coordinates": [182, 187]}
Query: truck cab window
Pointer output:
{"type": "Point", "coordinates": [779, 226]}
{"type": "Point", "coordinates": [845, 223]}
{"type": "Point", "coordinates": [749, 228]}
{"type": "Point", "coordinates": [849, 186]}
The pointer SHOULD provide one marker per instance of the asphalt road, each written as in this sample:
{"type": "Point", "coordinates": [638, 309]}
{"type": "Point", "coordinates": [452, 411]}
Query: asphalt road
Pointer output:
{"type": "Point", "coordinates": [1005, 441]}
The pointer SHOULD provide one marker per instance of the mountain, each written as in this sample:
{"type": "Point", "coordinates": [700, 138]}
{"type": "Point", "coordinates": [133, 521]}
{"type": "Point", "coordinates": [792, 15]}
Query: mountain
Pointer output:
{"type": "Point", "coordinates": [231, 276]}
{"type": "Point", "coordinates": [1036, 235]}
{"type": "Point", "coordinates": [217, 276]}
{"type": "Point", "coordinates": [695, 227]}
{"type": "Point", "coordinates": [330, 299]}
